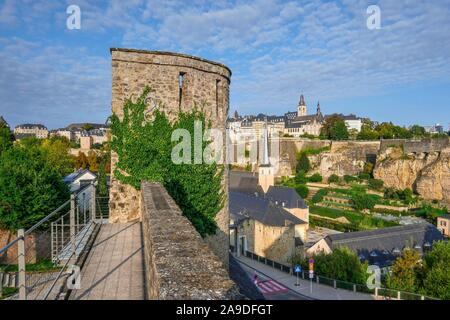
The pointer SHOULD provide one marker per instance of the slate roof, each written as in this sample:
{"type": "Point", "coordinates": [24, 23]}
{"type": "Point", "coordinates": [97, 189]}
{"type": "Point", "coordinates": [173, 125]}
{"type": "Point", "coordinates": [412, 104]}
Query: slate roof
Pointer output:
{"type": "Point", "coordinates": [31, 126]}
{"type": "Point", "coordinates": [244, 206]}
{"type": "Point", "coordinates": [445, 216]}
{"type": "Point", "coordinates": [382, 246]}
{"type": "Point", "coordinates": [74, 175]}
{"type": "Point", "coordinates": [247, 183]}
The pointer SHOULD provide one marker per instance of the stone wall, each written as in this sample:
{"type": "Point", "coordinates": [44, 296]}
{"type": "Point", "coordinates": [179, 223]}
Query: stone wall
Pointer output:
{"type": "Point", "coordinates": [416, 146]}
{"type": "Point", "coordinates": [37, 247]}
{"type": "Point", "coordinates": [178, 262]}
{"type": "Point", "coordinates": [178, 82]}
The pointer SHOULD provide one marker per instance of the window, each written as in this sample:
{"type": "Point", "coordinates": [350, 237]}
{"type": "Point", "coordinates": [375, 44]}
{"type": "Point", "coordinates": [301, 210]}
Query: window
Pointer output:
{"type": "Point", "coordinates": [181, 79]}
{"type": "Point", "coordinates": [217, 97]}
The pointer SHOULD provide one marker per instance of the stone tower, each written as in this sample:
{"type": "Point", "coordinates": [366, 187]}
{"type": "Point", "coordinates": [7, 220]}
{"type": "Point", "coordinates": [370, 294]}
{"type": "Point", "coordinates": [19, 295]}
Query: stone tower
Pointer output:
{"type": "Point", "coordinates": [301, 109]}
{"type": "Point", "coordinates": [178, 82]}
{"type": "Point", "coordinates": [266, 174]}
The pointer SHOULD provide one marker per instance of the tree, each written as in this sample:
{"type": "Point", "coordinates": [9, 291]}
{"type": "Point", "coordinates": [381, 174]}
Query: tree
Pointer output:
{"type": "Point", "coordinates": [102, 184]}
{"type": "Point", "coordinates": [363, 201]}
{"type": "Point", "coordinates": [376, 184]}
{"type": "Point", "coordinates": [81, 161]}
{"type": "Point", "coordinates": [316, 177]}
{"type": "Point", "coordinates": [302, 190]}
{"type": "Point", "coordinates": [437, 271]}
{"type": "Point", "coordinates": [334, 178]}
{"type": "Point", "coordinates": [93, 161]}
{"type": "Point", "coordinates": [334, 128]}
{"type": "Point", "coordinates": [57, 152]}
{"type": "Point", "coordinates": [417, 131]}
{"type": "Point", "coordinates": [404, 272]}
{"type": "Point", "coordinates": [303, 164]}
{"type": "Point", "coordinates": [30, 187]}
{"type": "Point", "coordinates": [196, 188]}
{"type": "Point", "coordinates": [6, 138]}
{"type": "Point", "coordinates": [341, 264]}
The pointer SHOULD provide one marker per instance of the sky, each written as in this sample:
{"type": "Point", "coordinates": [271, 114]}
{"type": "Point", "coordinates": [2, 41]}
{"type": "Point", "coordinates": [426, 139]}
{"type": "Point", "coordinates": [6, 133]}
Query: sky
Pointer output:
{"type": "Point", "coordinates": [277, 50]}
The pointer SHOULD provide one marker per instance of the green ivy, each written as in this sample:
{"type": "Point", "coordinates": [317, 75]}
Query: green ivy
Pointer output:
{"type": "Point", "coordinates": [144, 153]}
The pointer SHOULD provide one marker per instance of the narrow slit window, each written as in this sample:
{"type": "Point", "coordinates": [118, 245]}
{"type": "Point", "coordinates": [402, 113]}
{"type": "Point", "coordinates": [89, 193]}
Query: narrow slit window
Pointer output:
{"type": "Point", "coordinates": [217, 97]}
{"type": "Point", "coordinates": [180, 85]}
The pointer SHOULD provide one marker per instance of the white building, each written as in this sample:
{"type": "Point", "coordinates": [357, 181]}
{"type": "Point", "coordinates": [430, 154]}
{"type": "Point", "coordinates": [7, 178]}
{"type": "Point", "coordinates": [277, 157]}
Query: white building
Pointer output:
{"type": "Point", "coordinates": [37, 130]}
{"type": "Point", "coordinates": [79, 179]}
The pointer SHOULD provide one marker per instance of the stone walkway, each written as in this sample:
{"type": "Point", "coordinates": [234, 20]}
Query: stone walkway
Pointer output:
{"type": "Point", "coordinates": [114, 269]}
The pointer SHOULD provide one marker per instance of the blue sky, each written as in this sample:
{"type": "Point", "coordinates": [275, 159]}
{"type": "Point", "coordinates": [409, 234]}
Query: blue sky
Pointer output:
{"type": "Point", "coordinates": [276, 49]}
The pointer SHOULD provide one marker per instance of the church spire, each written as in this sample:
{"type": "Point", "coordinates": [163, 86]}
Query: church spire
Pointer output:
{"type": "Point", "coordinates": [265, 159]}
{"type": "Point", "coordinates": [302, 101]}
{"type": "Point", "coordinates": [301, 108]}
{"type": "Point", "coordinates": [318, 107]}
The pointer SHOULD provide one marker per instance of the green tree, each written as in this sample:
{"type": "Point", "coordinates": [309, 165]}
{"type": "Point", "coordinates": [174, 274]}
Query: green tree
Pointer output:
{"type": "Point", "coordinates": [334, 128]}
{"type": "Point", "coordinates": [334, 178]}
{"type": "Point", "coordinates": [196, 188]}
{"type": "Point", "coordinates": [302, 190]}
{"type": "Point", "coordinates": [57, 151]}
{"type": "Point", "coordinates": [342, 264]}
{"type": "Point", "coordinates": [102, 184]}
{"type": "Point", "coordinates": [30, 187]}
{"type": "Point", "coordinates": [6, 139]}
{"type": "Point", "coordinates": [376, 184]}
{"type": "Point", "coordinates": [316, 177]}
{"type": "Point", "coordinates": [404, 272]}
{"type": "Point", "coordinates": [363, 201]}
{"type": "Point", "coordinates": [437, 275]}
{"type": "Point", "coordinates": [303, 164]}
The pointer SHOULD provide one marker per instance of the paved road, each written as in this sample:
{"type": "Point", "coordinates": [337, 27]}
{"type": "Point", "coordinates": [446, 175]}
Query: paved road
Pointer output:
{"type": "Point", "coordinates": [318, 292]}
{"type": "Point", "coordinates": [271, 288]}
{"type": "Point", "coordinates": [114, 269]}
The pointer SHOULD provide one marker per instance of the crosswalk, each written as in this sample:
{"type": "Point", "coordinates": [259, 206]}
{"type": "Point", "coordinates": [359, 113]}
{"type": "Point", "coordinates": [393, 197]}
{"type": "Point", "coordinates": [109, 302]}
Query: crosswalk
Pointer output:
{"type": "Point", "coordinates": [270, 287]}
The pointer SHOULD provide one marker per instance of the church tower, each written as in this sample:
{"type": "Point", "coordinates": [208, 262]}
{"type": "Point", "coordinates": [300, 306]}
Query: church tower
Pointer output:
{"type": "Point", "coordinates": [301, 109]}
{"type": "Point", "coordinates": [266, 175]}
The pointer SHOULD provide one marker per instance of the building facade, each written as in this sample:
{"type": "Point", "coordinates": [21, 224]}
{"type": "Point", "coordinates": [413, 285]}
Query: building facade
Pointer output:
{"type": "Point", "coordinates": [36, 130]}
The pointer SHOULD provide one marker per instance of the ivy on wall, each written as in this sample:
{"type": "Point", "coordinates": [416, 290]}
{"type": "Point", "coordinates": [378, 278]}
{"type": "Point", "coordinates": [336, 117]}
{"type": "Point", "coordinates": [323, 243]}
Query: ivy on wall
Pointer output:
{"type": "Point", "coordinates": [144, 151]}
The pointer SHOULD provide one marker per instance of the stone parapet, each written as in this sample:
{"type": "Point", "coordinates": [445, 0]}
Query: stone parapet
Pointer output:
{"type": "Point", "coordinates": [178, 262]}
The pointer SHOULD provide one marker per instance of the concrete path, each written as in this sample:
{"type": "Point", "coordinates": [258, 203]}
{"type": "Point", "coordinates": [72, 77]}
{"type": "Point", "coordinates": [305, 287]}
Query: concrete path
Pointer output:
{"type": "Point", "coordinates": [319, 292]}
{"type": "Point", "coordinates": [114, 269]}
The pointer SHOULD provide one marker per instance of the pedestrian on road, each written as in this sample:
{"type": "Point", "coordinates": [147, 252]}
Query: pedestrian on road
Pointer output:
{"type": "Point", "coordinates": [255, 278]}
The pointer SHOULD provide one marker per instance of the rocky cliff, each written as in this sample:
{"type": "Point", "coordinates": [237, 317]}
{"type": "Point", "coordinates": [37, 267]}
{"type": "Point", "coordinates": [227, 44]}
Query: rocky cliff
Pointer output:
{"type": "Point", "coordinates": [426, 173]}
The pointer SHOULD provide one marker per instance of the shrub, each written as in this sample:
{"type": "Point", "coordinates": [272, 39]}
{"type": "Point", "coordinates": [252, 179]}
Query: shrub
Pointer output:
{"type": "Point", "coordinates": [302, 190]}
{"type": "Point", "coordinates": [334, 178]}
{"type": "Point", "coordinates": [303, 163]}
{"type": "Point", "coordinates": [318, 197]}
{"type": "Point", "coordinates": [376, 184]}
{"type": "Point", "coordinates": [363, 201]}
{"type": "Point", "coordinates": [349, 179]}
{"type": "Point", "coordinates": [300, 178]}
{"type": "Point", "coordinates": [316, 177]}
{"type": "Point", "coordinates": [364, 176]}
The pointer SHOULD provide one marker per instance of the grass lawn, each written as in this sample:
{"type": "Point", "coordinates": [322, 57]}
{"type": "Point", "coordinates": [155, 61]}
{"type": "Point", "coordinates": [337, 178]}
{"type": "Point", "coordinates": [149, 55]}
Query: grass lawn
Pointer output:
{"type": "Point", "coordinates": [41, 266]}
{"type": "Point", "coordinates": [8, 292]}
{"type": "Point", "coordinates": [358, 220]}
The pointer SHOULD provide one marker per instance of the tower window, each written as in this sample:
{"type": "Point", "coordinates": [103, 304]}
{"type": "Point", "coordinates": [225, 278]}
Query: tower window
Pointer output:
{"type": "Point", "coordinates": [217, 97]}
{"type": "Point", "coordinates": [180, 85]}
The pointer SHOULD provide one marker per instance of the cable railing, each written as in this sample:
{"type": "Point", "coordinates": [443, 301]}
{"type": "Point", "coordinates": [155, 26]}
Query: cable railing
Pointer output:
{"type": "Point", "coordinates": [37, 264]}
{"type": "Point", "coordinates": [378, 293]}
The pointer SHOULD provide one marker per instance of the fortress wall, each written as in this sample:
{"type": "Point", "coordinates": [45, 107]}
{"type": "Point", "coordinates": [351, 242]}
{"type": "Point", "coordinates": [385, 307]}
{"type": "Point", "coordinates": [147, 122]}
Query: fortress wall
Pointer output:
{"type": "Point", "coordinates": [205, 84]}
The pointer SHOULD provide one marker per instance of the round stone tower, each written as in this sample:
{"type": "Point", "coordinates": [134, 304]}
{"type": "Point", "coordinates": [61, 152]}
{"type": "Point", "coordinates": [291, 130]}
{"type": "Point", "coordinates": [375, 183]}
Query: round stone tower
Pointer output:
{"type": "Point", "coordinates": [179, 82]}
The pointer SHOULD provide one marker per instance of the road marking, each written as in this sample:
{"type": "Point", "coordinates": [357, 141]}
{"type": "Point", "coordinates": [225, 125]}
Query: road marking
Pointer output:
{"type": "Point", "coordinates": [271, 286]}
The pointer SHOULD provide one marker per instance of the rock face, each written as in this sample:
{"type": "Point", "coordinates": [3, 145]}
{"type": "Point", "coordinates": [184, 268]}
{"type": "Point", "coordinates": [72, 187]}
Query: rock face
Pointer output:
{"type": "Point", "coordinates": [434, 182]}
{"type": "Point", "coordinates": [426, 173]}
{"type": "Point", "coordinates": [344, 158]}
{"type": "Point", "coordinates": [400, 171]}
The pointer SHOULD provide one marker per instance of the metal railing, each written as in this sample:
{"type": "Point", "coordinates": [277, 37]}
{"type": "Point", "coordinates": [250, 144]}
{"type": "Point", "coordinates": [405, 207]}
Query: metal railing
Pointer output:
{"type": "Point", "coordinates": [34, 265]}
{"type": "Point", "coordinates": [378, 293]}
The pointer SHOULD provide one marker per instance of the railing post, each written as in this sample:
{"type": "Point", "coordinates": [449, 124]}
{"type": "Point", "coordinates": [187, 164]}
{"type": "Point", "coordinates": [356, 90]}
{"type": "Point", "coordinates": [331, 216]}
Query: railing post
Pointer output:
{"type": "Point", "coordinates": [21, 264]}
{"type": "Point", "coordinates": [334, 284]}
{"type": "Point", "coordinates": [93, 202]}
{"type": "Point", "coordinates": [72, 223]}
{"type": "Point", "coordinates": [1, 285]}
{"type": "Point", "coordinates": [399, 295]}
{"type": "Point", "coordinates": [317, 278]}
{"type": "Point", "coordinates": [354, 288]}
{"type": "Point", "coordinates": [376, 292]}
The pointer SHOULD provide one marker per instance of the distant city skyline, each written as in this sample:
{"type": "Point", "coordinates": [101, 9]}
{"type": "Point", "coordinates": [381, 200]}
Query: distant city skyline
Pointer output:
{"type": "Point", "coordinates": [276, 50]}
